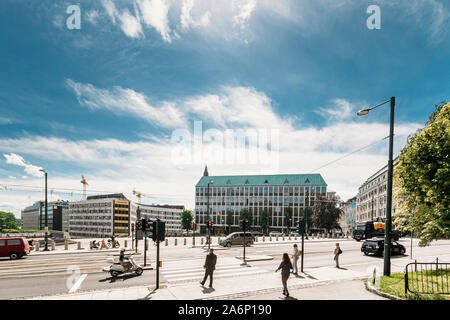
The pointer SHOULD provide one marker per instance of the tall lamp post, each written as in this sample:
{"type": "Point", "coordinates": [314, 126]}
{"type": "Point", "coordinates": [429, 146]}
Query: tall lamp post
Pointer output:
{"type": "Point", "coordinates": [46, 213]}
{"type": "Point", "coordinates": [388, 227]}
{"type": "Point", "coordinates": [209, 217]}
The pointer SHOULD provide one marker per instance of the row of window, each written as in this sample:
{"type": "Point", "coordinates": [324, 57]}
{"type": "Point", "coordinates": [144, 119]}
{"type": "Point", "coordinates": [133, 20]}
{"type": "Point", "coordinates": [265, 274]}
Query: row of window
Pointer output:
{"type": "Point", "coordinates": [90, 205]}
{"type": "Point", "coordinates": [255, 191]}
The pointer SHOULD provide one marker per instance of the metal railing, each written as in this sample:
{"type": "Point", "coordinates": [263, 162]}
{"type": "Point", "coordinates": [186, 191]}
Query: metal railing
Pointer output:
{"type": "Point", "coordinates": [427, 277]}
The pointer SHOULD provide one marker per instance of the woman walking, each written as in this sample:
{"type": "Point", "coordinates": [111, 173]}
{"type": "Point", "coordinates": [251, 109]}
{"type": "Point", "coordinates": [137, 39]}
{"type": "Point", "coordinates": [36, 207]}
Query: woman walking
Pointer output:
{"type": "Point", "coordinates": [337, 252]}
{"type": "Point", "coordinates": [285, 267]}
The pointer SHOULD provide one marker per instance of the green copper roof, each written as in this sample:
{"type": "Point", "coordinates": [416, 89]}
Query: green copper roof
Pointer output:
{"type": "Point", "coordinates": [314, 179]}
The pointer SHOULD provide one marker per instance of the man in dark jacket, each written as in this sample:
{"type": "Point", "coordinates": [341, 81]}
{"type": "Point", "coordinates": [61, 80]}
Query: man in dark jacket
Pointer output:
{"type": "Point", "coordinates": [210, 265]}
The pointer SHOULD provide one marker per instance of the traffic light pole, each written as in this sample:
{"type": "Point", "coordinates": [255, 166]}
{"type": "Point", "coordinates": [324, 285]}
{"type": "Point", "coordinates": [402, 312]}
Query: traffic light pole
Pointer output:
{"type": "Point", "coordinates": [157, 253]}
{"type": "Point", "coordinates": [145, 249]}
{"type": "Point", "coordinates": [245, 262]}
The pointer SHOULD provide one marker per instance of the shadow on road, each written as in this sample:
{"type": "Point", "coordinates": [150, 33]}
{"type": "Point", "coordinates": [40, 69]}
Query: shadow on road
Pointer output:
{"type": "Point", "coordinates": [208, 290]}
{"type": "Point", "coordinates": [122, 278]}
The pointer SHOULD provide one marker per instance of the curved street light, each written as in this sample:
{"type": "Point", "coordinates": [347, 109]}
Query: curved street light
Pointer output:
{"type": "Point", "coordinates": [388, 226]}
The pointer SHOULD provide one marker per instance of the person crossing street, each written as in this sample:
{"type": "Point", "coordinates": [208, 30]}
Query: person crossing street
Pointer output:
{"type": "Point", "coordinates": [210, 266]}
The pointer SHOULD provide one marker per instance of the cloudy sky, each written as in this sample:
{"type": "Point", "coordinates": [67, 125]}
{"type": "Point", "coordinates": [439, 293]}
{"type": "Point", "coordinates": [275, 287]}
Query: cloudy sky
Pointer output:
{"type": "Point", "coordinates": [147, 92]}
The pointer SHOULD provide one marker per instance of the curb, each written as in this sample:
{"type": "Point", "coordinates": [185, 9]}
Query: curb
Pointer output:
{"type": "Point", "coordinates": [374, 290]}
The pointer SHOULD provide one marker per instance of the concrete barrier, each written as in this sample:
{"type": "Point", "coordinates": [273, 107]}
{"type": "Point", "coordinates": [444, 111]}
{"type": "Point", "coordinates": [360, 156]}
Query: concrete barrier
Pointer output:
{"type": "Point", "coordinates": [176, 242]}
{"type": "Point", "coordinates": [289, 238]}
{"type": "Point", "coordinates": [270, 238]}
{"type": "Point", "coordinates": [53, 246]}
{"type": "Point", "coordinates": [126, 243]}
{"type": "Point", "coordinates": [79, 245]}
{"type": "Point", "coordinates": [201, 240]}
{"type": "Point", "coordinates": [66, 244]}
{"type": "Point", "coordinates": [264, 239]}
{"type": "Point", "coordinates": [295, 238]}
{"type": "Point", "coordinates": [184, 241]}
{"type": "Point", "coordinates": [167, 242]}
{"type": "Point", "coordinates": [36, 246]}
{"type": "Point", "coordinates": [276, 239]}
{"type": "Point", "coordinates": [193, 241]}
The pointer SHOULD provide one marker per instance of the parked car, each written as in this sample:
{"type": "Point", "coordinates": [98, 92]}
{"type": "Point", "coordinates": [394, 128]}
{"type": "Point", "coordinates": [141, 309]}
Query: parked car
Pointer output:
{"type": "Point", "coordinates": [294, 234]}
{"type": "Point", "coordinates": [275, 234]}
{"type": "Point", "coordinates": [14, 247]}
{"type": "Point", "coordinates": [375, 246]}
{"type": "Point", "coordinates": [256, 234]}
{"type": "Point", "coordinates": [236, 238]}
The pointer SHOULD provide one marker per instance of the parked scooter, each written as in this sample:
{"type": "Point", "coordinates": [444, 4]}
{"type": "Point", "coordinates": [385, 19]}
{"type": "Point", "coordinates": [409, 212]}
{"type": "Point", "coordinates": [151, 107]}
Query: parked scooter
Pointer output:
{"type": "Point", "coordinates": [116, 268]}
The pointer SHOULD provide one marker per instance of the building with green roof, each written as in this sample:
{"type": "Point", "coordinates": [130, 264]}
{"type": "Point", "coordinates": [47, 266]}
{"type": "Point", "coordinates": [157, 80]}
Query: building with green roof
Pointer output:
{"type": "Point", "coordinates": [280, 195]}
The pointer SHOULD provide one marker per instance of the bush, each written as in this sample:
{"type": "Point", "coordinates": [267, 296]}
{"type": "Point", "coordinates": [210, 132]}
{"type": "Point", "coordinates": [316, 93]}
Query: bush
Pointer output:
{"type": "Point", "coordinates": [21, 231]}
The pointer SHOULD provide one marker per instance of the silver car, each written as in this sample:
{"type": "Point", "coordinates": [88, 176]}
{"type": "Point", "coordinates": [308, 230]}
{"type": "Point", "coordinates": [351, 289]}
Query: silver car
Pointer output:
{"type": "Point", "coordinates": [237, 238]}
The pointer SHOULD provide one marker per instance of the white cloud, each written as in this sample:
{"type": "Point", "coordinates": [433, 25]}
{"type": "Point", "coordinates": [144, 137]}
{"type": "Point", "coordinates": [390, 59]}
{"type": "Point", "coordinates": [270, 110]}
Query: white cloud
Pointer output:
{"type": "Point", "coordinates": [154, 14]}
{"type": "Point", "coordinates": [244, 10]}
{"type": "Point", "coordinates": [126, 101]}
{"type": "Point", "coordinates": [4, 120]}
{"type": "Point", "coordinates": [17, 160]}
{"type": "Point", "coordinates": [186, 19]}
{"type": "Point", "coordinates": [130, 24]}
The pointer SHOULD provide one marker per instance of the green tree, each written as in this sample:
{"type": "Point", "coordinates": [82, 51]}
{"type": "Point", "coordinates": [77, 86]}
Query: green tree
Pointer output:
{"type": "Point", "coordinates": [264, 220]}
{"type": "Point", "coordinates": [186, 219]}
{"type": "Point", "coordinates": [229, 219]}
{"type": "Point", "coordinates": [422, 180]}
{"type": "Point", "coordinates": [325, 214]}
{"type": "Point", "coordinates": [288, 219]}
{"type": "Point", "coordinates": [246, 214]}
{"type": "Point", "coordinates": [8, 220]}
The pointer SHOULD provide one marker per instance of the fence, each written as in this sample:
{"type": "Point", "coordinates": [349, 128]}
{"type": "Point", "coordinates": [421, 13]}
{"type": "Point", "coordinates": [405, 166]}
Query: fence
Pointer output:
{"type": "Point", "coordinates": [427, 277]}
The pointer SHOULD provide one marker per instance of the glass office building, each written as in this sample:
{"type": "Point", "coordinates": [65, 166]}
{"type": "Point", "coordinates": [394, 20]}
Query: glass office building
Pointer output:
{"type": "Point", "coordinates": [228, 195]}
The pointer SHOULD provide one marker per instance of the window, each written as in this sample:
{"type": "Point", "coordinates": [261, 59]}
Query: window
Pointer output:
{"type": "Point", "coordinates": [286, 181]}
{"type": "Point", "coordinates": [228, 181]}
{"type": "Point", "coordinates": [13, 242]}
{"type": "Point", "coordinates": [2, 243]}
{"type": "Point", "coordinates": [265, 181]}
{"type": "Point", "coordinates": [307, 180]}
{"type": "Point", "coordinates": [246, 181]}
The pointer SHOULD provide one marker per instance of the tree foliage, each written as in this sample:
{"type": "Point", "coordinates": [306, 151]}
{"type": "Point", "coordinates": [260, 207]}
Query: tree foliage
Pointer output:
{"type": "Point", "coordinates": [288, 218]}
{"type": "Point", "coordinates": [325, 214]}
{"type": "Point", "coordinates": [8, 220]}
{"type": "Point", "coordinates": [422, 180]}
{"type": "Point", "coordinates": [264, 220]}
{"type": "Point", "coordinates": [186, 219]}
{"type": "Point", "coordinates": [229, 219]}
{"type": "Point", "coordinates": [246, 214]}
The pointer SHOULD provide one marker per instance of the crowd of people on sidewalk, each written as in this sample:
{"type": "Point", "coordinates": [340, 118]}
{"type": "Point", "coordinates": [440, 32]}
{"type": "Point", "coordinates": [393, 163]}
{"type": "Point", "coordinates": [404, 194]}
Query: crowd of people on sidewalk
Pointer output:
{"type": "Point", "coordinates": [285, 266]}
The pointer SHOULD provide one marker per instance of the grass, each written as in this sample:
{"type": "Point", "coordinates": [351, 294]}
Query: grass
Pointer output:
{"type": "Point", "coordinates": [395, 285]}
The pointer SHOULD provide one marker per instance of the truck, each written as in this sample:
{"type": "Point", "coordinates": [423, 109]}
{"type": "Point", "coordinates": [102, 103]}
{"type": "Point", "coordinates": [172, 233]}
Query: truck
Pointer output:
{"type": "Point", "coordinates": [372, 229]}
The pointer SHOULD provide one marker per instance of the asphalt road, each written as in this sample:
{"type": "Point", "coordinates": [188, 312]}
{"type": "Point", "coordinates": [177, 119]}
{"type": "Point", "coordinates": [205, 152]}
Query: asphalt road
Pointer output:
{"type": "Point", "coordinates": [48, 274]}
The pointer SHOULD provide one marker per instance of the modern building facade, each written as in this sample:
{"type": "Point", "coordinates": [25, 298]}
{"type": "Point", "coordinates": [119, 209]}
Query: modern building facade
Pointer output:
{"type": "Point", "coordinates": [100, 216]}
{"type": "Point", "coordinates": [349, 208]}
{"type": "Point", "coordinates": [170, 214]}
{"type": "Point", "coordinates": [33, 217]}
{"type": "Point", "coordinates": [372, 195]}
{"type": "Point", "coordinates": [226, 196]}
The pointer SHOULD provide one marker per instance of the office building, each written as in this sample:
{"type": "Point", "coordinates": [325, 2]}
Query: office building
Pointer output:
{"type": "Point", "coordinates": [279, 194]}
{"type": "Point", "coordinates": [33, 217]}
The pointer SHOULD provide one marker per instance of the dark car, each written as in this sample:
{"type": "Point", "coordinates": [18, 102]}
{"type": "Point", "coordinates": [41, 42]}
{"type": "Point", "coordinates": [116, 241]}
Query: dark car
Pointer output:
{"type": "Point", "coordinates": [375, 246]}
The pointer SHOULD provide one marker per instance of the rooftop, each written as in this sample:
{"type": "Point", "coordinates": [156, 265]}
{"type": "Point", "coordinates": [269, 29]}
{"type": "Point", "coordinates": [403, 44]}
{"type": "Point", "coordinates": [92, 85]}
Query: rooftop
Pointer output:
{"type": "Point", "coordinates": [314, 179]}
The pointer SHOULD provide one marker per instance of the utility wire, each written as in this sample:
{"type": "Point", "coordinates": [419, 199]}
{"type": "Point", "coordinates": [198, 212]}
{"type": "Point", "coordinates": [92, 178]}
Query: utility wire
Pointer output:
{"type": "Point", "coordinates": [349, 154]}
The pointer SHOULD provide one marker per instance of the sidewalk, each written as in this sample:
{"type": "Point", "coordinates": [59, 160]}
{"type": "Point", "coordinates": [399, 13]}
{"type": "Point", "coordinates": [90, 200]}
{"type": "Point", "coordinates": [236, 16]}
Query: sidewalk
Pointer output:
{"type": "Point", "coordinates": [260, 286]}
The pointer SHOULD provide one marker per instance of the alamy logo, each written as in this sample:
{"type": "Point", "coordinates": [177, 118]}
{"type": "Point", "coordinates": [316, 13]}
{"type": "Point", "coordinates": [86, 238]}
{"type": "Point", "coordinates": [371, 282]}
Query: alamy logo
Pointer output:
{"type": "Point", "coordinates": [75, 280]}
{"type": "Point", "coordinates": [374, 20]}
{"type": "Point", "coordinates": [74, 20]}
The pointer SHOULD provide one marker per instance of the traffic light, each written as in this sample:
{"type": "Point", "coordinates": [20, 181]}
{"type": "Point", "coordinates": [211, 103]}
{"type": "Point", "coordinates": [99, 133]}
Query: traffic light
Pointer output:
{"type": "Point", "coordinates": [143, 225]}
{"type": "Point", "coordinates": [192, 226]}
{"type": "Point", "coordinates": [210, 224]}
{"type": "Point", "coordinates": [245, 224]}
{"type": "Point", "coordinates": [154, 230]}
{"type": "Point", "coordinates": [148, 225]}
{"type": "Point", "coordinates": [132, 227]}
{"type": "Point", "coordinates": [161, 230]}
{"type": "Point", "coordinates": [138, 225]}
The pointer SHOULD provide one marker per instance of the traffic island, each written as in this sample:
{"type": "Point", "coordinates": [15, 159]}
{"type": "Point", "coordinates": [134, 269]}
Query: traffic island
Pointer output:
{"type": "Point", "coordinates": [255, 258]}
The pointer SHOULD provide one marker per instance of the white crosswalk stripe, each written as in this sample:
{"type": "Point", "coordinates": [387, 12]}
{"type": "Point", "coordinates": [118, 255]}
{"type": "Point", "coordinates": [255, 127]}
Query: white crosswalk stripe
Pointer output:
{"type": "Point", "coordinates": [196, 272]}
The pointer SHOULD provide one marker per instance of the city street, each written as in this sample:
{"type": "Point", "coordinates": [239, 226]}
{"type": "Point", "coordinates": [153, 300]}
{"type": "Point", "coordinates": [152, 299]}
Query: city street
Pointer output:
{"type": "Point", "coordinates": [41, 275]}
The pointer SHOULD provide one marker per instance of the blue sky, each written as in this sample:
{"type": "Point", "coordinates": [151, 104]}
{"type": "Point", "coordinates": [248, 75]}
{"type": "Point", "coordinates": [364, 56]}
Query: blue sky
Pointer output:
{"type": "Point", "coordinates": [105, 101]}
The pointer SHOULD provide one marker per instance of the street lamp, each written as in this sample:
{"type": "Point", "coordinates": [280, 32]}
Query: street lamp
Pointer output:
{"type": "Point", "coordinates": [387, 234]}
{"type": "Point", "coordinates": [209, 217]}
{"type": "Point", "coordinates": [46, 213]}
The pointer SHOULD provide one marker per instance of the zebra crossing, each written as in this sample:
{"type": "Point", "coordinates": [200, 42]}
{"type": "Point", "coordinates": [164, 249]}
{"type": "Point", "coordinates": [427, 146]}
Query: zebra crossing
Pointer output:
{"type": "Point", "coordinates": [193, 270]}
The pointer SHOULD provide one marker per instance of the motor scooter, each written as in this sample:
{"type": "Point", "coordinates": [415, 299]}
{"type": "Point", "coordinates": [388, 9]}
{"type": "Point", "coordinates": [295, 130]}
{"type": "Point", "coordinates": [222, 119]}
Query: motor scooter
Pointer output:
{"type": "Point", "coordinates": [116, 268]}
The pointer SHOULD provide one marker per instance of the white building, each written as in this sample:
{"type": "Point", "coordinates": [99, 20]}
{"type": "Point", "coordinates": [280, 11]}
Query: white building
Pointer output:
{"type": "Point", "coordinates": [372, 196]}
{"type": "Point", "coordinates": [171, 214]}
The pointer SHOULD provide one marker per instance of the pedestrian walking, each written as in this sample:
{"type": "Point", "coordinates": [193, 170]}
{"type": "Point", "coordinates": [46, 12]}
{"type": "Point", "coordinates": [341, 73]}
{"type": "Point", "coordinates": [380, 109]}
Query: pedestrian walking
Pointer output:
{"type": "Point", "coordinates": [337, 252]}
{"type": "Point", "coordinates": [285, 267]}
{"type": "Point", "coordinates": [210, 266]}
{"type": "Point", "coordinates": [296, 254]}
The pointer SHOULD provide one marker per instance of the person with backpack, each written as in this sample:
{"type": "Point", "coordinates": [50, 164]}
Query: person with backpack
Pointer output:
{"type": "Point", "coordinates": [337, 252]}
{"type": "Point", "coordinates": [285, 267]}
